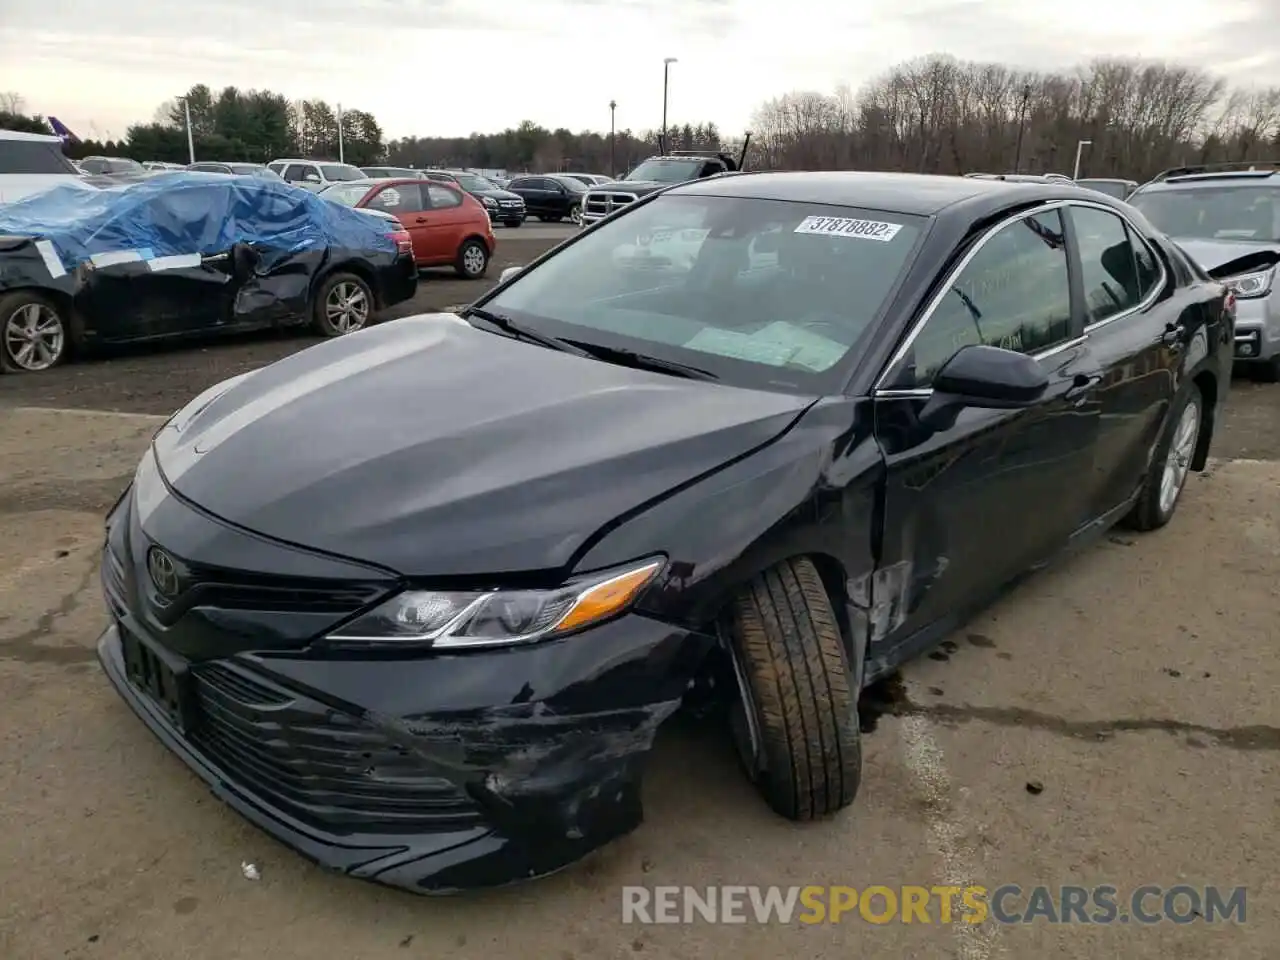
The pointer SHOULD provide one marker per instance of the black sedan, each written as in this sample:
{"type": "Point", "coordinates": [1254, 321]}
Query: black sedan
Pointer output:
{"type": "Point", "coordinates": [416, 601]}
{"type": "Point", "coordinates": [187, 254]}
{"type": "Point", "coordinates": [551, 197]}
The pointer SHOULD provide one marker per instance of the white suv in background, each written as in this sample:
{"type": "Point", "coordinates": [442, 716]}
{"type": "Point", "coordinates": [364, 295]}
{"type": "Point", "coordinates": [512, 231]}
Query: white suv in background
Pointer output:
{"type": "Point", "coordinates": [31, 162]}
{"type": "Point", "coordinates": [315, 175]}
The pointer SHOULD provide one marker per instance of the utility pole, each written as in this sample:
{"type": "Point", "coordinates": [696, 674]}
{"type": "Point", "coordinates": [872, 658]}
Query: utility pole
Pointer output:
{"type": "Point", "coordinates": [341, 155]}
{"type": "Point", "coordinates": [666, 69]}
{"type": "Point", "coordinates": [191, 143]}
{"type": "Point", "coordinates": [1080, 145]}
{"type": "Point", "coordinates": [1022, 119]}
{"type": "Point", "coordinates": [613, 139]}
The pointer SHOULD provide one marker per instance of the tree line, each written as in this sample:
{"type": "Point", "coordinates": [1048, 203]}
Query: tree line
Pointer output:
{"type": "Point", "coordinates": [932, 115]}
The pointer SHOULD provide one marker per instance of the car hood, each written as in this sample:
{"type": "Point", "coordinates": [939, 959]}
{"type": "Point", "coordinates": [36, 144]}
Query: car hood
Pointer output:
{"type": "Point", "coordinates": [639, 187]}
{"type": "Point", "coordinates": [497, 193]}
{"type": "Point", "coordinates": [1219, 257]}
{"type": "Point", "coordinates": [432, 448]}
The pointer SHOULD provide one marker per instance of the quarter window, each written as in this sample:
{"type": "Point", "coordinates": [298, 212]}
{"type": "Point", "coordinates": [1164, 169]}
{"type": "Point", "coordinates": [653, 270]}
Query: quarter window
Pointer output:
{"type": "Point", "coordinates": [1108, 270]}
{"type": "Point", "coordinates": [1015, 293]}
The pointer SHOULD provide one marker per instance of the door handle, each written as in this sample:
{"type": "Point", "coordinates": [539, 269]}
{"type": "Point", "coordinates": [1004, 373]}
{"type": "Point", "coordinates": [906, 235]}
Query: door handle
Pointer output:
{"type": "Point", "coordinates": [1174, 335]}
{"type": "Point", "coordinates": [420, 220]}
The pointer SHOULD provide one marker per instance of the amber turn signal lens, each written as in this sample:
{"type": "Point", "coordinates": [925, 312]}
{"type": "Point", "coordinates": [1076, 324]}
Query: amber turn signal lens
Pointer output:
{"type": "Point", "coordinates": [608, 597]}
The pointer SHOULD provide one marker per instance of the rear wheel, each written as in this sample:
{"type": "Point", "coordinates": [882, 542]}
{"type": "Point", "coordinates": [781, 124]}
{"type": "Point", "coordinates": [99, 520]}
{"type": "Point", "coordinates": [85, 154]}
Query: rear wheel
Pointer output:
{"type": "Point", "coordinates": [796, 722]}
{"type": "Point", "coordinates": [34, 334]}
{"type": "Point", "coordinates": [1171, 464]}
{"type": "Point", "coordinates": [473, 260]}
{"type": "Point", "coordinates": [344, 304]}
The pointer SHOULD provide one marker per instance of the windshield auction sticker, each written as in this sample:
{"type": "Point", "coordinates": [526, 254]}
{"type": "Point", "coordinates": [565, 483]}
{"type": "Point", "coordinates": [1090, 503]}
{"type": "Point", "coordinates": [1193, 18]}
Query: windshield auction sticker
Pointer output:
{"type": "Point", "coordinates": [848, 227]}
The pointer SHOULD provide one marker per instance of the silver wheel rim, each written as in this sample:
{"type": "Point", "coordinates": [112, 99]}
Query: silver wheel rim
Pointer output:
{"type": "Point", "coordinates": [34, 337]}
{"type": "Point", "coordinates": [473, 260]}
{"type": "Point", "coordinates": [347, 307]}
{"type": "Point", "coordinates": [1177, 462]}
{"type": "Point", "coordinates": [575, 215]}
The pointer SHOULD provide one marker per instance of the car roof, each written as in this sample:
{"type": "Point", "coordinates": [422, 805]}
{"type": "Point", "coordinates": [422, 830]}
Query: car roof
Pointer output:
{"type": "Point", "coordinates": [23, 135]}
{"type": "Point", "coordinates": [920, 194]}
{"type": "Point", "coordinates": [1225, 178]}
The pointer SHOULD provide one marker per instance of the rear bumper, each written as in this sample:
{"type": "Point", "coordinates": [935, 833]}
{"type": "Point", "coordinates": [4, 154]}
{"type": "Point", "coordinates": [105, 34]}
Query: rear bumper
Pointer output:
{"type": "Point", "coordinates": [413, 792]}
{"type": "Point", "coordinates": [399, 282]}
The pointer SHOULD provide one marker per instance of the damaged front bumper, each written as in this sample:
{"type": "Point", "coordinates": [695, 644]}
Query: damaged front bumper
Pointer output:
{"type": "Point", "coordinates": [469, 771]}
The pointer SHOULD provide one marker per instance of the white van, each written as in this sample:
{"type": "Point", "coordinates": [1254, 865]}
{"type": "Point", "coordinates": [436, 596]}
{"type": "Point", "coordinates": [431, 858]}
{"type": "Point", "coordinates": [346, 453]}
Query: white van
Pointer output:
{"type": "Point", "coordinates": [31, 162]}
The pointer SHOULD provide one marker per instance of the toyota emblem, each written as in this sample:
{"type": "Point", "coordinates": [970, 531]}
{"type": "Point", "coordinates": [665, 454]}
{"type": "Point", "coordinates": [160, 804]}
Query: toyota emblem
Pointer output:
{"type": "Point", "coordinates": [164, 573]}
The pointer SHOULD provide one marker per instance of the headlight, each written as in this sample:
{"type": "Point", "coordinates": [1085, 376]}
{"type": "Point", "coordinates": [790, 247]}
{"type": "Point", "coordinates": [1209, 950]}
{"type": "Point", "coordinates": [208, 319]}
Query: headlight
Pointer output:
{"type": "Point", "coordinates": [447, 620]}
{"type": "Point", "coordinates": [489, 201]}
{"type": "Point", "coordinates": [1249, 285]}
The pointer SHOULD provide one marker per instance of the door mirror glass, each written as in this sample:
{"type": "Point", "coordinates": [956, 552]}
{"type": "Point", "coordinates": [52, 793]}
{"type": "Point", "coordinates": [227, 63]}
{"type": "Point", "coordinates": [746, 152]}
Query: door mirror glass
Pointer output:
{"type": "Point", "coordinates": [984, 376]}
{"type": "Point", "coordinates": [508, 273]}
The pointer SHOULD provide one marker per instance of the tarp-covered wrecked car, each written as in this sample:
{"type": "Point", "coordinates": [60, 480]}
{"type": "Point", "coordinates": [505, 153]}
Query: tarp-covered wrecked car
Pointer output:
{"type": "Point", "coordinates": [416, 600]}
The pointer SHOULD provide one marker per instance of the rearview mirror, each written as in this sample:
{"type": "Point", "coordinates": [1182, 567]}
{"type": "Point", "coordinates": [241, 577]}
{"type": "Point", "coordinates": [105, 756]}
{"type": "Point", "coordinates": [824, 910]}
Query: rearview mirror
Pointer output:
{"type": "Point", "coordinates": [985, 377]}
{"type": "Point", "coordinates": [508, 273]}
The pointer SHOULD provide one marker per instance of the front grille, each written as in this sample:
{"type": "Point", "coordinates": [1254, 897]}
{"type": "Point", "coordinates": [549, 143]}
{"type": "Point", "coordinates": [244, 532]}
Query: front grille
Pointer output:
{"type": "Point", "coordinates": [511, 203]}
{"type": "Point", "coordinates": [604, 202]}
{"type": "Point", "coordinates": [318, 764]}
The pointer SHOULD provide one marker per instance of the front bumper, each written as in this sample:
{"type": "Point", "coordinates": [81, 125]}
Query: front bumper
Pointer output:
{"type": "Point", "coordinates": [432, 775]}
{"type": "Point", "coordinates": [1257, 337]}
{"type": "Point", "coordinates": [511, 212]}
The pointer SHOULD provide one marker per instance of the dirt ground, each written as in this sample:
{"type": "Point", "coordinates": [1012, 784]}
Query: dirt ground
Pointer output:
{"type": "Point", "coordinates": [1113, 721]}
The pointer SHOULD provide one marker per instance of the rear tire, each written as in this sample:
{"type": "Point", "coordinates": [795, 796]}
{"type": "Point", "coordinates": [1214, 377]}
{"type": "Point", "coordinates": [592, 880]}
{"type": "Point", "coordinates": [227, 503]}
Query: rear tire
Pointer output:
{"type": "Point", "coordinates": [34, 334]}
{"type": "Point", "coordinates": [1170, 465]}
{"type": "Point", "coordinates": [343, 304]}
{"type": "Point", "coordinates": [797, 696]}
{"type": "Point", "coordinates": [473, 260]}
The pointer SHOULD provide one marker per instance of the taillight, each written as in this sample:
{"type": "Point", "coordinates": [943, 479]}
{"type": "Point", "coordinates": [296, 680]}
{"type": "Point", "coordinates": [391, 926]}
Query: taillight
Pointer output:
{"type": "Point", "coordinates": [404, 242]}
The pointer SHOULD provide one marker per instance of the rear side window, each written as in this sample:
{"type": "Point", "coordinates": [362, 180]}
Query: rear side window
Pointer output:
{"type": "Point", "coordinates": [1107, 267]}
{"type": "Point", "coordinates": [442, 197]}
{"type": "Point", "coordinates": [33, 156]}
{"type": "Point", "coordinates": [1015, 293]}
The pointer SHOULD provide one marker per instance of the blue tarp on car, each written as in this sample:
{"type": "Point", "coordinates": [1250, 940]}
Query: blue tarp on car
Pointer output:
{"type": "Point", "coordinates": [188, 214]}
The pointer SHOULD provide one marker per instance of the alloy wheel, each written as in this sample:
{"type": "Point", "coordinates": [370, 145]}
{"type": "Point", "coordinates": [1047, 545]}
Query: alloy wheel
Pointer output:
{"type": "Point", "coordinates": [473, 260]}
{"type": "Point", "coordinates": [1177, 463]}
{"type": "Point", "coordinates": [34, 337]}
{"type": "Point", "coordinates": [575, 214]}
{"type": "Point", "coordinates": [347, 307]}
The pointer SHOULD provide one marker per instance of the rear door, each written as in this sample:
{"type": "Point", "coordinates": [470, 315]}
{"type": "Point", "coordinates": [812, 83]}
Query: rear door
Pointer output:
{"type": "Point", "coordinates": [968, 508]}
{"type": "Point", "coordinates": [406, 203]}
{"type": "Point", "coordinates": [1138, 324]}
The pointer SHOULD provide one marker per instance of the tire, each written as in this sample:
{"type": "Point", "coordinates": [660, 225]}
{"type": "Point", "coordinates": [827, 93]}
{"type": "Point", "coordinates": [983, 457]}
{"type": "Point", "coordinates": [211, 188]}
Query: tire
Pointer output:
{"type": "Point", "coordinates": [575, 214]}
{"type": "Point", "coordinates": [544, 219]}
{"type": "Point", "coordinates": [327, 316]}
{"type": "Point", "coordinates": [1152, 509]}
{"type": "Point", "coordinates": [793, 671]}
{"type": "Point", "coordinates": [473, 260]}
{"type": "Point", "coordinates": [34, 334]}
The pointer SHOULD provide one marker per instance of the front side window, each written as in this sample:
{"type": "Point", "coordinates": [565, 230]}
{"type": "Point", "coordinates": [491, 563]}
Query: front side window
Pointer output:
{"type": "Point", "coordinates": [758, 292]}
{"type": "Point", "coordinates": [1015, 293]}
{"type": "Point", "coordinates": [1108, 271]}
{"type": "Point", "coordinates": [1214, 212]}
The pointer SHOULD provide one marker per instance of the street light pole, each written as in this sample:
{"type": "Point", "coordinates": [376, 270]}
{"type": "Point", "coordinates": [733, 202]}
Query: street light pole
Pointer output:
{"type": "Point", "coordinates": [1080, 145]}
{"type": "Point", "coordinates": [613, 138]}
{"type": "Point", "coordinates": [1022, 119]}
{"type": "Point", "coordinates": [191, 143]}
{"type": "Point", "coordinates": [341, 153]}
{"type": "Point", "coordinates": [666, 68]}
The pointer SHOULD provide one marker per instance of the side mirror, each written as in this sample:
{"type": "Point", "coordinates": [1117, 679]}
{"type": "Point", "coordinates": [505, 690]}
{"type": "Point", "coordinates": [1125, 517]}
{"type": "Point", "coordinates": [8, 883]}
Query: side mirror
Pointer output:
{"type": "Point", "coordinates": [508, 273]}
{"type": "Point", "coordinates": [985, 377]}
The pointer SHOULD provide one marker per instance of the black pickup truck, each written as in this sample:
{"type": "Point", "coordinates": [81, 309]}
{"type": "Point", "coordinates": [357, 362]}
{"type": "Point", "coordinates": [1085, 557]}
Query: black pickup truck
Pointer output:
{"type": "Point", "coordinates": [657, 173]}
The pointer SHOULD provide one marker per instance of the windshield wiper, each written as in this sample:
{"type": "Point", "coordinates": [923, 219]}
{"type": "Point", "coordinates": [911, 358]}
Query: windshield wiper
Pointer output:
{"type": "Point", "coordinates": [642, 361]}
{"type": "Point", "coordinates": [508, 325]}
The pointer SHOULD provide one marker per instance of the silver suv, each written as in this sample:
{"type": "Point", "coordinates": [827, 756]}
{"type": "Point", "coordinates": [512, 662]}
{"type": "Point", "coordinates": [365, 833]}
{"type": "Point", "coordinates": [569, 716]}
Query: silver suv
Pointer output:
{"type": "Point", "coordinates": [1226, 217]}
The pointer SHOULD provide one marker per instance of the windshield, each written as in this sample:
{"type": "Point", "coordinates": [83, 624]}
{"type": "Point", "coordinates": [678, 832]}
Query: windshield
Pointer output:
{"type": "Point", "coordinates": [341, 171]}
{"type": "Point", "coordinates": [666, 171]}
{"type": "Point", "coordinates": [1214, 212]}
{"type": "Point", "coordinates": [470, 182]}
{"type": "Point", "coordinates": [760, 292]}
{"type": "Point", "coordinates": [253, 170]}
{"type": "Point", "coordinates": [124, 166]}
{"type": "Point", "coordinates": [1112, 188]}
{"type": "Point", "coordinates": [346, 194]}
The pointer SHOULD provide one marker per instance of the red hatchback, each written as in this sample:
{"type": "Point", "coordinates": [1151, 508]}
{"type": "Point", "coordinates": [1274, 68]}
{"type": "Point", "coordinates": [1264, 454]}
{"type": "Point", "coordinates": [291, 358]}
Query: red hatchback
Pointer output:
{"type": "Point", "coordinates": [448, 227]}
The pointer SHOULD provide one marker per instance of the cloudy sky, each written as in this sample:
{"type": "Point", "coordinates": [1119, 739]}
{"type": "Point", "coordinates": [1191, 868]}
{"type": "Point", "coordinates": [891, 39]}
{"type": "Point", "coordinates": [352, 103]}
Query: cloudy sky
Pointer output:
{"type": "Point", "coordinates": [449, 67]}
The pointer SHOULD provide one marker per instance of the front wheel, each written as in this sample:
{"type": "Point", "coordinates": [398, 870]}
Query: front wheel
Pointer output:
{"type": "Point", "coordinates": [473, 260]}
{"type": "Point", "coordinates": [1170, 465]}
{"type": "Point", "coordinates": [343, 305]}
{"type": "Point", "coordinates": [796, 719]}
{"type": "Point", "coordinates": [575, 214]}
{"type": "Point", "coordinates": [33, 333]}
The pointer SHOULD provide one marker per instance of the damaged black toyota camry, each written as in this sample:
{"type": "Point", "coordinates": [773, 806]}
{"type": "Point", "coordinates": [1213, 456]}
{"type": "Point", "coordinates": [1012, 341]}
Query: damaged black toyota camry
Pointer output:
{"type": "Point", "coordinates": [416, 600]}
